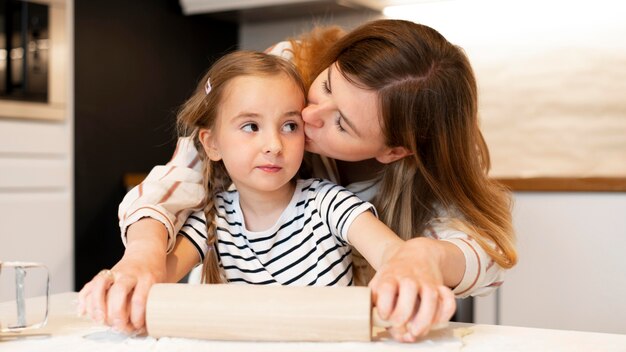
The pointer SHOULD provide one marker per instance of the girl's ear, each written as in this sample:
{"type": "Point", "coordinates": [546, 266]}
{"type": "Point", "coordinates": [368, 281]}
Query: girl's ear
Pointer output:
{"type": "Point", "coordinates": [390, 155]}
{"type": "Point", "coordinates": [208, 143]}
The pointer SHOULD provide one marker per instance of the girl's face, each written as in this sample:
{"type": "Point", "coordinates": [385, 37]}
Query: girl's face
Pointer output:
{"type": "Point", "coordinates": [258, 132]}
{"type": "Point", "coordinates": [341, 119]}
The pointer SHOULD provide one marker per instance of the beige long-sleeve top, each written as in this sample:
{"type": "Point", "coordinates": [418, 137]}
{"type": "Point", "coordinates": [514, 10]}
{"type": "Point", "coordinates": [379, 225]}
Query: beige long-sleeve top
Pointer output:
{"type": "Point", "coordinates": [171, 192]}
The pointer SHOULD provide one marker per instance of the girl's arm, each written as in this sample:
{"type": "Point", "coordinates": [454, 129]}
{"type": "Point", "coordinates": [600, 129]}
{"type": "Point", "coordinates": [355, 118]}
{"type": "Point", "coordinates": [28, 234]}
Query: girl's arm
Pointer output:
{"type": "Point", "coordinates": [373, 239]}
{"type": "Point", "coordinates": [181, 260]}
{"type": "Point", "coordinates": [168, 194]}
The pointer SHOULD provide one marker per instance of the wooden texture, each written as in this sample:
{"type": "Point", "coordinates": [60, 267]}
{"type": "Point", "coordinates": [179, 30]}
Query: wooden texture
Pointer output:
{"type": "Point", "coordinates": [566, 184]}
{"type": "Point", "coordinates": [259, 313]}
{"type": "Point", "coordinates": [538, 184]}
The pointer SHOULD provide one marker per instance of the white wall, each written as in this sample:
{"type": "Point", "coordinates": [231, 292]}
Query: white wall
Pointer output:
{"type": "Point", "coordinates": [572, 272]}
{"type": "Point", "coordinates": [571, 269]}
{"type": "Point", "coordinates": [262, 35]}
{"type": "Point", "coordinates": [36, 181]}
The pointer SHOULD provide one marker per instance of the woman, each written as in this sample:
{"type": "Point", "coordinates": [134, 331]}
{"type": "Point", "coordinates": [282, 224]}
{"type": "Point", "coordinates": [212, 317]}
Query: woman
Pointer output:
{"type": "Point", "coordinates": [391, 115]}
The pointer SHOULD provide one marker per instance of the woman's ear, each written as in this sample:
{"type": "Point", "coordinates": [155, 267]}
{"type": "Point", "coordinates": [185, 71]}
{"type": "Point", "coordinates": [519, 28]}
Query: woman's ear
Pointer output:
{"type": "Point", "coordinates": [392, 154]}
{"type": "Point", "coordinates": [208, 143]}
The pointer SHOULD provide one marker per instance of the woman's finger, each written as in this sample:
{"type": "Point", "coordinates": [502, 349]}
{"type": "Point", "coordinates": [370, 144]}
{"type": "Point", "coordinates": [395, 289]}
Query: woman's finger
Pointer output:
{"type": "Point", "coordinates": [447, 305]}
{"type": "Point", "coordinates": [100, 286]}
{"type": "Point", "coordinates": [429, 300]}
{"type": "Point", "coordinates": [118, 315]}
{"type": "Point", "coordinates": [406, 303]}
{"type": "Point", "coordinates": [400, 333]}
{"type": "Point", "coordinates": [138, 304]}
{"type": "Point", "coordinates": [82, 299]}
{"type": "Point", "coordinates": [386, 294]}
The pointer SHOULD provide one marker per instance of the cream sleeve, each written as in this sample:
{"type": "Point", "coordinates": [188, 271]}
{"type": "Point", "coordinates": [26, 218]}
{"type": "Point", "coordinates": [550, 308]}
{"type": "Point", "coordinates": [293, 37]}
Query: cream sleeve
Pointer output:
{"type": "Point", "coordinates": [169, 194]}
{"type": "Point", "coordinates": [482, 274]}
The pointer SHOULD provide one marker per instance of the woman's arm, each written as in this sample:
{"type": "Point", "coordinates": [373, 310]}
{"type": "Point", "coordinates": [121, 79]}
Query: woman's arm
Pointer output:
{"type": "Point", "coordinates": [410, 288]}
{"type": "Point", "coordinates": [475, 272]}
{"type": "Point", "coordinates": [168, 194]}
{"type": "Point", "coordinates": [118, 297]}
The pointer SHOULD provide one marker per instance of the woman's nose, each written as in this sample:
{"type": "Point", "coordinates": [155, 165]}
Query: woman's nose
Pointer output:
{"type": "Point", "coordinates": [312, 115]}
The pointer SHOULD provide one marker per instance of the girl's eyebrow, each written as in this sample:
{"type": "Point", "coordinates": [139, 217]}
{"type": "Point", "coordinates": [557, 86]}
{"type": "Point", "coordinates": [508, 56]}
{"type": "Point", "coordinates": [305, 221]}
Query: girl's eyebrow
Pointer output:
{"type": "Point", "coordinates": [292, 113]}
{"type": "Point", "coordinates": [341, 114]}
{"type": "Point", "coordinates": [254, 115]}
{"type": "Point", "coordinates": [246, 114]}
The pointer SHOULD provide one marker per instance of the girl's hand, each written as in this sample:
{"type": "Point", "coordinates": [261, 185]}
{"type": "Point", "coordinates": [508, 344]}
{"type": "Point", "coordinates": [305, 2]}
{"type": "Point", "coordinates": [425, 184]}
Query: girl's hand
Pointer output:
{"type": "Point", "coordinates": [118, 297]}
{"type": "Point", "coordinates": [409, 291]}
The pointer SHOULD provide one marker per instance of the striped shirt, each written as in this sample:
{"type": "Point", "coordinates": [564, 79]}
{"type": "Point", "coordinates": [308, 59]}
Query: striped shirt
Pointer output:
{"type": "Point", "coordinates": [307, 246]}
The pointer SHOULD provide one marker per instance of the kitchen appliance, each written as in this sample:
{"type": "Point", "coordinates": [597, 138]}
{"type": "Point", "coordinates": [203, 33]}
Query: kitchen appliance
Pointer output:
{"type": "Point", "coordinates": [21, 318]}
{"type": "Point", "coordinates": [24, 54]}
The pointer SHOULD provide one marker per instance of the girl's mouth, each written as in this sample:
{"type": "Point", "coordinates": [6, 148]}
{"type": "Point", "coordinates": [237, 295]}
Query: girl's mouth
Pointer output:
{"type": "Point", "coordinates": [270, 168]}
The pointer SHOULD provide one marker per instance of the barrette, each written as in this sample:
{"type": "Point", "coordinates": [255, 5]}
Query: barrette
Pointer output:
{"type": "Point", "coordinates": [207, 87]}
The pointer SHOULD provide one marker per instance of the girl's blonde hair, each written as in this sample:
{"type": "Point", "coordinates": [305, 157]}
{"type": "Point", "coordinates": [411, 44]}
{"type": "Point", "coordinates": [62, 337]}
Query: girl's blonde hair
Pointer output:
{"type": "Point", "coordinates": [201, 110]}
{"type": "Point", "coordinates": [429, 105]}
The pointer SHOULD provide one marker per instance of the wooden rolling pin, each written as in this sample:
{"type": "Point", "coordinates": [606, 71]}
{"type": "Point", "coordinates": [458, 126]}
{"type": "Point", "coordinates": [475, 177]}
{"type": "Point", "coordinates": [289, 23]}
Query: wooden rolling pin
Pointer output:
{"type": "Point", "coordinates": [260, 313]}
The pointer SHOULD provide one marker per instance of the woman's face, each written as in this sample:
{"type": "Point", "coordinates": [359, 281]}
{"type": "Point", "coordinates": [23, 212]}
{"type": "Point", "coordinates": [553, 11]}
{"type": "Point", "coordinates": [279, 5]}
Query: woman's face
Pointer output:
{"type": "Point", "coordinates": [341, 119]}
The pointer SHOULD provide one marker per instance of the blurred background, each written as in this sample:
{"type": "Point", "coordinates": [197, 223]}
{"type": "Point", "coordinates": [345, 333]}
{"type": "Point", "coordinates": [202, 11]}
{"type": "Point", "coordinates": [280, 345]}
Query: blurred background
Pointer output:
{"type": "Point", "coordinates": [90, 89]}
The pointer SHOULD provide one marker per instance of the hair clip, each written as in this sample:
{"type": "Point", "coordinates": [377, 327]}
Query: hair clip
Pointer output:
{"type": "Point", "coordinates": [207, 88]}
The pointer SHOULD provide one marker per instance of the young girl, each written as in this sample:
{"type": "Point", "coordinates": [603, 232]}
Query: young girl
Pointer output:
{"type": "Point", "coordinates": [392, 115]}
{"type": "Point", "coordinates": [272, 229]}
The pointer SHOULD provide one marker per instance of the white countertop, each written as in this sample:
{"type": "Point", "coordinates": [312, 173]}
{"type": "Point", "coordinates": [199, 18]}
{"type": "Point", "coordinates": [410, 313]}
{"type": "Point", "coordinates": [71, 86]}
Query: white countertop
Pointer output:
{"type": "Point", "coordinates": [66, 332]}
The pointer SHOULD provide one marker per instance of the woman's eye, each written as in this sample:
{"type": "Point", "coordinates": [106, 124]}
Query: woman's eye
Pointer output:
{"type": "Point", "coordinates": [250, 127]}
{"type": "Point", "coordinates": [326, 87]}
{"type": "Point", "coordinates": [338, 124]}
{"type": "Point", "coordinates": [290, 127]}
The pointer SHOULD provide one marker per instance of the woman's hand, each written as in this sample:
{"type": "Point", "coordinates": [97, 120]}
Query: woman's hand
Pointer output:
{"type": "Point", "coordinates": [409, 289]}
{"type": "Point", "coordinates": [118, 297]}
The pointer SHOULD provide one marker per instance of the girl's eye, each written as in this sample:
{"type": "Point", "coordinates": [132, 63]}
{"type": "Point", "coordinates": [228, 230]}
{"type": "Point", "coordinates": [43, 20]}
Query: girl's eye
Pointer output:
{"type": "Point", "coordinates": [290, 127]}
{"type": "Point", "coordinates": [338, 124]}
{"type": "Point", "coordinates": [250, 127]}
{"type": "Point", "coordinates": [326, 87]}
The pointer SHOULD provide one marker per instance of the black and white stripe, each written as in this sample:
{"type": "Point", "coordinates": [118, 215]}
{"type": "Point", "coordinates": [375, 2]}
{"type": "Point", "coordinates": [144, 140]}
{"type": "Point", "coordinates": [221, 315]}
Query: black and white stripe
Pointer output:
{"type": "Point", "coordinates": [306, 246]}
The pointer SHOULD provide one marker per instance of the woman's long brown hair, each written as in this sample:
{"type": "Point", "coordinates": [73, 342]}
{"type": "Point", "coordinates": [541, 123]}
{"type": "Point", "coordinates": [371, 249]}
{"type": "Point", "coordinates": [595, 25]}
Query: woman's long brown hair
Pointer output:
{"type": "Point", "coordinates": [429, 105]}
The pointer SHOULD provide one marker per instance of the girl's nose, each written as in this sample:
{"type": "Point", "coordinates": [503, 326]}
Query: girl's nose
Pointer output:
{"type": "Point", "coordinates": [273, 144]}
{"type": "Point", "coordinates": [313, 114]}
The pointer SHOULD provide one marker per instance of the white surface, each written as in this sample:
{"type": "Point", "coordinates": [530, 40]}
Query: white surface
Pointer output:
{"type": "Point", "coordinates": [67, 332]}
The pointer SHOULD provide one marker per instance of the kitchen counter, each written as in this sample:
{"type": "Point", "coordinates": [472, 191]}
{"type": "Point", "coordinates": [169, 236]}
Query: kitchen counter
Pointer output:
{"type": "Point", "coordinates": [67, 332]}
